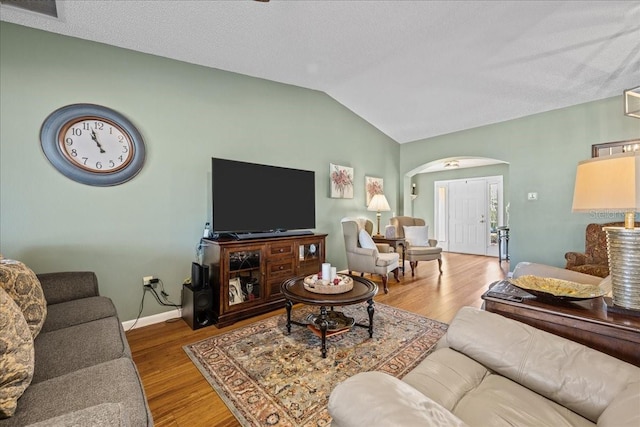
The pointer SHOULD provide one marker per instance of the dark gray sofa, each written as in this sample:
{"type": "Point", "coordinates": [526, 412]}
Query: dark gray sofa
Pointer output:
{"type": "Point", "coordinates": [84, 373]}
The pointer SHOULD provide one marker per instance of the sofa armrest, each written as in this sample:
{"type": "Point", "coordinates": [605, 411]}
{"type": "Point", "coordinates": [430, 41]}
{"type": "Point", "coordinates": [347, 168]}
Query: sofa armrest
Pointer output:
{"type": "Point", "coordinates": [378, 399]}
{"type": "Point", "coordinates": [575, 258]}
{"type": "Point", "coordinates": [68, 286]}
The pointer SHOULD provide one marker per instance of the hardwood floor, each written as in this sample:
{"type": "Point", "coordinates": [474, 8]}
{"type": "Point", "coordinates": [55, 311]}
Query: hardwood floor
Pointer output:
{"type": "Point", "coordinates": [178, 394]}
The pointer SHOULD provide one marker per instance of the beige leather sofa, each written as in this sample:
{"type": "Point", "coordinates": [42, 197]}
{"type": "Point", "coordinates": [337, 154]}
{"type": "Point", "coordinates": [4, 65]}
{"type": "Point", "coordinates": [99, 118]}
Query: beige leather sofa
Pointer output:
{"type": "Point", "coordinates": [492, 371]}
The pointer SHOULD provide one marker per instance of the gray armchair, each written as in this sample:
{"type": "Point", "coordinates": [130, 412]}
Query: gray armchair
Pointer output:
{"type": "Point", "coordinates": [367, 259]}
{"type": "Point", "coordinates": [425, 250]}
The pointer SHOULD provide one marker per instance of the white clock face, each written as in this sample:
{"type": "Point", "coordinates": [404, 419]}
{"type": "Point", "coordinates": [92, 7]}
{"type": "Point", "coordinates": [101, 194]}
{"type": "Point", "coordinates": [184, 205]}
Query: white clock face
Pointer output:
{"type": "Point", "coordinates": [96, 144]}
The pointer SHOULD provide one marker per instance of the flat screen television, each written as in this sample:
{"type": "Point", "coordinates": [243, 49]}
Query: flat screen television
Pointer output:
{"type": "Point", "coordinates": [256, 198]}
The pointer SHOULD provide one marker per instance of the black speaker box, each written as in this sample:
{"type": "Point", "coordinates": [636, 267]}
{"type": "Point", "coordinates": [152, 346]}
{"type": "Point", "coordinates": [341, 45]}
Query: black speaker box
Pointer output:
{"type": "Point", "coordinates": [199, 275]}
{"type": "Point", "coordinates": [197, 306]}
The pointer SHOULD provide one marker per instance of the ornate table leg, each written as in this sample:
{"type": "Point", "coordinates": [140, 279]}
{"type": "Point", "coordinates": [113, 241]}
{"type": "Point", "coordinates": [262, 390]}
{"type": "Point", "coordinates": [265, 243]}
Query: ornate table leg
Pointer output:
{"type": "Point", "coordinates": [288, 304]}
{"type": "Point", "coordinates": [370, 311]}
{"type": "Point", "coordinates": [324, 324]}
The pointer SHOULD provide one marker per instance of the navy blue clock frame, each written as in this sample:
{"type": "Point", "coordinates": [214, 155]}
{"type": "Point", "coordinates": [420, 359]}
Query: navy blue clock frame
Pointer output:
{"type": "Point", "coordinates": [56, 122]}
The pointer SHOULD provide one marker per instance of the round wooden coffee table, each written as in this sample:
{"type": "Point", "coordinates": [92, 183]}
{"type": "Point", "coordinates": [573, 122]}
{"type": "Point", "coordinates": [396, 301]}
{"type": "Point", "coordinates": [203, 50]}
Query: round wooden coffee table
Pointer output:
{"type": "Point", "coordinates": [363, 290]}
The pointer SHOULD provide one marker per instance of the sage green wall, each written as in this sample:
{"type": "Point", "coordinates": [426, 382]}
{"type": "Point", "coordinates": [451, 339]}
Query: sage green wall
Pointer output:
{"type": "Point", "coordinates": [543, 151]}
{"type": "Point", "coordinates": [423, 206]}
{"type": "Point", "coordinates": [186, 114]}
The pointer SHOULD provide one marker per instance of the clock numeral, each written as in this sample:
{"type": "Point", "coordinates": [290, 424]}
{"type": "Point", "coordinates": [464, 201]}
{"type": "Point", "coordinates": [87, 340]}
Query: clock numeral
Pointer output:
{"type": "Point", "coordinates": [74, 153]}
{"type": "Point", "coordinates": [125, 149]}
{"type": "Point", "coordinates": [86, 126]}
{"type": "Point", "coordinates": [111, 164]}
{"type": "Point", "coordinates": [68, 141]}
{"type": "Point", "coordinates": [76, 131]}
{"type": "Point", "coordinates": [84, 160]}
{"type": "Point", "coordinates": [120, 138]}
{"type": "Point", "coordinates": [98, 165]}
{"type": "Point", "coordinates": [121, 159]}
{"type": "Point", "coordinates": [99, 125]}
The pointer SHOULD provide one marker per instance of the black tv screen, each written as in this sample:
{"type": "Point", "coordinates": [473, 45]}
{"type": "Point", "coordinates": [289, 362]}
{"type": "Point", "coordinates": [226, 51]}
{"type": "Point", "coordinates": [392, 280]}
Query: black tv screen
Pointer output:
{"type": "Point", "coordinates": [249, 197]}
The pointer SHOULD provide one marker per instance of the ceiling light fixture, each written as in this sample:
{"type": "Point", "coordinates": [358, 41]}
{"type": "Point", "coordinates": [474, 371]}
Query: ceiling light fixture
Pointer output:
{"type": "Point", "coordinates": [632, 102]}
{"type": "Point", "coordinates": [451, 164]}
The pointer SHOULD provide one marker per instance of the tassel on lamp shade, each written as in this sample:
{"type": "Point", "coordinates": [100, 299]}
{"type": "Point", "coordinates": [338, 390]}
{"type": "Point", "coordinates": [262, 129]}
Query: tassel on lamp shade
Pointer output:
{"type": "Point", "coordinates": [379, 204]}
{"type": "Point", "coordinates": [611, 184]}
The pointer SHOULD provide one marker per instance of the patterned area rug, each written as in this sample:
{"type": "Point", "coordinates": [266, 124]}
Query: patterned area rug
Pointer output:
{"type": "Point", "coordinates": [267, 377]}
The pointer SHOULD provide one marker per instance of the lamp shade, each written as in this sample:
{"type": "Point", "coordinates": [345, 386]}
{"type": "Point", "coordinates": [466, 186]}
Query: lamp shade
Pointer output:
{"type": "Point", "coordinates": [379, 204]}
{"type": "Point", "coordinates": [610, 182]}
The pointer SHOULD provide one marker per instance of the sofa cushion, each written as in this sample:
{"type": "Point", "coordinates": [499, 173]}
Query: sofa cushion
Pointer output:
{"type": "Point", "coordinates": [23, 286]}
{"type": "Point", "coordinates": [78, 311]}
{"type": "Point", "coordinates": [498, 401]}
{"type": "Point", "coordinates": [623, 410]}
{"type": "Point", "coordinates": [378, 399]}
{"type": "Point", "coordinates": [446, 376]}
{"type": "Point", "coordinates": [417, 235]}
{"type": "Point", "coordinates": [577, 377]}
{"type": "Point", "coordinates": [423, 250]}
{"type": "Point", "coordinates": [65, 350]}
{"type": "Point", "coordinates": [103, 415]}
{"type": "Point", "coordinates": [16, 355]}
{"type": "Point", "coordinates": [115, 381]}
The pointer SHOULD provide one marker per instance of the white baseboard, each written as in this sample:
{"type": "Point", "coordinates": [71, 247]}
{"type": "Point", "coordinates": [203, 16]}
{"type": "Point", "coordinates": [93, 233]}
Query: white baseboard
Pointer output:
{"type": "Point", "coordinates": [151, 320]}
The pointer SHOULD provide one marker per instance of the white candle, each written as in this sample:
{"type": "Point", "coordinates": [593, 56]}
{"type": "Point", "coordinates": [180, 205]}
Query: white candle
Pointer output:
{"type": "Point", "coordinates": [326, 271]}
{"type": "Point", "coordinates": [334, 273]}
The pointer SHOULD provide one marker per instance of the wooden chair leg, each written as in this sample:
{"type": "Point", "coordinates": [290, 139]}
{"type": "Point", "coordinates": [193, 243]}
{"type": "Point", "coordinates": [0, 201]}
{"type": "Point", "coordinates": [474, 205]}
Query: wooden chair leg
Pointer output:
{"type": "Point", "coordinates": [384, 283]}
{"type": "Point", "coordinates": [413, 265]}
{"type": "Point", "coordinates": [396, 275]}
{"type": "Point", "coordinates": [440, 265]}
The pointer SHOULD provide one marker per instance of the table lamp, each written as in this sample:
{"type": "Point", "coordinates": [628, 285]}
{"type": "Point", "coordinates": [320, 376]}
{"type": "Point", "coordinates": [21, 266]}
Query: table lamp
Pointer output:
{"type": "Point", "coordinates": [378, 204]}
{"type": "Point", "coordinates": [612, 184]}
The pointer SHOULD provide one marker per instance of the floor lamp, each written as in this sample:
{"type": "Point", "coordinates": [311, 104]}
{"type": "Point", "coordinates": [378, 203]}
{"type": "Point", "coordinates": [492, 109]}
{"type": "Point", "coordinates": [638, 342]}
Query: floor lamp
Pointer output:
{"type": "Point", "coordinates": [379, 204]}
{"type": "Point", "coordinates": [612, 184]}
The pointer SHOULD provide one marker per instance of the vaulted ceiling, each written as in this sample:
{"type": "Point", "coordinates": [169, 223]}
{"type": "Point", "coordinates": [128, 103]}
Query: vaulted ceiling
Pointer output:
{"type": "Point", "coordinates": [413, 69]}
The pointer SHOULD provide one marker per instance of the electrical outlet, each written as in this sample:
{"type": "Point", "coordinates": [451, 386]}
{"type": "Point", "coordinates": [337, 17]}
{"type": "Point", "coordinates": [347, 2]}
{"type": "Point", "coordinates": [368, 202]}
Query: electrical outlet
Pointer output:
{"type": "Point", "coordinates": [146, 281]}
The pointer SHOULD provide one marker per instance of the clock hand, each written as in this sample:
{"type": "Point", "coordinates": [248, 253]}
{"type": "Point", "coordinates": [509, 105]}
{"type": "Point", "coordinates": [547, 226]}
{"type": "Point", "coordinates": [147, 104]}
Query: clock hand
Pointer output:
{"type": "Point", "coordinates": [95, 138]}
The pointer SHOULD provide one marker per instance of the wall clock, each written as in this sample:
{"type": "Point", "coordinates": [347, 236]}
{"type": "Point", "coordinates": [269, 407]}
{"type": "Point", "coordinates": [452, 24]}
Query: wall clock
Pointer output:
{"type": "Point", "coordinates": [92, 144]}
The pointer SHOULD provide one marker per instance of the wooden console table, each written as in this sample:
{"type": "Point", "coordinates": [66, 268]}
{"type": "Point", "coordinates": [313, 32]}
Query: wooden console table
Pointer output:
{"type": "Point", "coordinates": [586, 322]}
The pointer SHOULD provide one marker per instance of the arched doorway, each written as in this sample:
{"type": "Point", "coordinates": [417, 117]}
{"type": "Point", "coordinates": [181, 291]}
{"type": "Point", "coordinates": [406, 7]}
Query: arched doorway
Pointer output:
{"type": "Point", "coordinates": [463, 199]}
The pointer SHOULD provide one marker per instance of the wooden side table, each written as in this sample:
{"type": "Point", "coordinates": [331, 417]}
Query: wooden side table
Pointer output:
{"type": "Point", "coordinates": [394, 243]}
{"type": "Point", "coordinates": [585, 321]}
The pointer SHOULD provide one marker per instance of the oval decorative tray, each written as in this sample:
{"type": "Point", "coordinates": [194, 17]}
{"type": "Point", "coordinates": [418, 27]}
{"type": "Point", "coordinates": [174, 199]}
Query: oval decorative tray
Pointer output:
{"type": "Point", "coordinates": [320, 286]}
{"type": "Point", "coordinates": [547, 287]}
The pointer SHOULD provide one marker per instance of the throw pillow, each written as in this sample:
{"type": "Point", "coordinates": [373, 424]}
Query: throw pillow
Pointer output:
{"type": "Point", "coordinates": [417, 235]}
{"type": "Point", "coordinates": [16, 355]}
{"type": "Point", "coordinates": [366, 241]}
{"type": "Point", "coordinates": [24, 287]}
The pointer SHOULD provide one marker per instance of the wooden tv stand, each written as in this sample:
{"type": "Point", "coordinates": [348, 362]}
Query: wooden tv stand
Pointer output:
{"type": "Point", "coordinates": [246, 274]}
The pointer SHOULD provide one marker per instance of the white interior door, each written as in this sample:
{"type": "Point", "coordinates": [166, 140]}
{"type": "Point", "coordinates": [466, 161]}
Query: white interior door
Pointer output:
{"type": "Point", "coordinates": [468, 216]}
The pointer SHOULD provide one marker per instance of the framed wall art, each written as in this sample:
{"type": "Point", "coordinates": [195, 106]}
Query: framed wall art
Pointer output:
{"type": "Point", "coordinates": [341, 178]}
{"type": "Point", "coordinates": [372, 187]}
